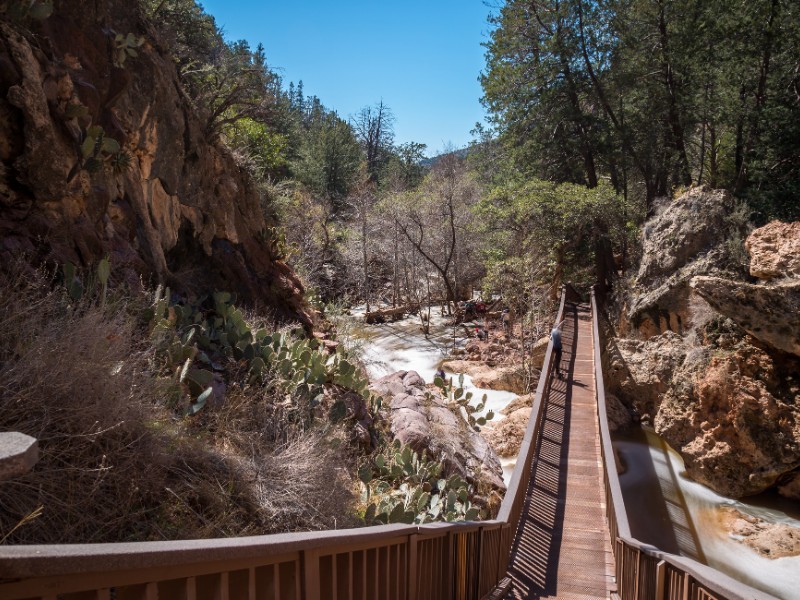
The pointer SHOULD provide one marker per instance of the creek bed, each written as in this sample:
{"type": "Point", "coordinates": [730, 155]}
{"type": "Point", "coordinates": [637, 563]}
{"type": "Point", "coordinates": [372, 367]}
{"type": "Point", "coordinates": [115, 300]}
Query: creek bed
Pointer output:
{"type": "Point", "coordinates": [402, 346]}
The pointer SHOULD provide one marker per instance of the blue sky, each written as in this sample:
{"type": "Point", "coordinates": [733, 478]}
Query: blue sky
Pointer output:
{"type": "Point", "coordinates": [422, 58]}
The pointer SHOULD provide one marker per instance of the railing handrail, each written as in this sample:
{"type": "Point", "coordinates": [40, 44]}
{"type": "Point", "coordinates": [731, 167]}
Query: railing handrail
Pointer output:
{"type": "Point", "coordinates": [531, 431]}
{"type": "Point", "coordinates": [32, 562]}
{"type": "Point", "coordinates": [709, 577]}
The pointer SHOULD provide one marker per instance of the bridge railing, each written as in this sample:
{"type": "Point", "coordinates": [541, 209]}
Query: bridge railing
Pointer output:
{"type": "Point", "coordinates": [643, 571]}
{"type": "Point", "coordinates": [463, 561]}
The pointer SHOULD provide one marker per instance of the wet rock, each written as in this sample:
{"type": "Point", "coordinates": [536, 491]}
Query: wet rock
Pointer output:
{"type": "Point", "coordinates": [420, 418]}
{"type": "Point", "coordinates": [775, 250]}
{"type": "Point", "coordinates": [770, 540]}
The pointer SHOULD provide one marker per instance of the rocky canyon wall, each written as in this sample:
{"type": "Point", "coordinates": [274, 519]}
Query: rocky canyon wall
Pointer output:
{"type": "Point", "coordinates": [175, 209]}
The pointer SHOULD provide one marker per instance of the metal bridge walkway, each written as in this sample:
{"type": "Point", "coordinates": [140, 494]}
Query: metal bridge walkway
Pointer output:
{"type": "Point", "coordinates": [562, 547]}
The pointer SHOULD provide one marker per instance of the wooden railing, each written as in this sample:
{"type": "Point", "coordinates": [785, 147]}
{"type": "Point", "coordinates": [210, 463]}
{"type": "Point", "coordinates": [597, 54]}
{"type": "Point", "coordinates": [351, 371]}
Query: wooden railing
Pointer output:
{"type": "Point", "coordinates": [462, 561]}
{"type": "Point", "coordinates": [643, 571]}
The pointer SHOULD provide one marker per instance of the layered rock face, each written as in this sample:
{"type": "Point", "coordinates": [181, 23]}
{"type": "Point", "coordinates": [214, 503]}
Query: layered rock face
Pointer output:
{"type": "Point", "coordinates": [722, 383]}
{"type": "Point", "coordinates": [419, 417]}
{"type": "Point", "coordinates": [180, 213]}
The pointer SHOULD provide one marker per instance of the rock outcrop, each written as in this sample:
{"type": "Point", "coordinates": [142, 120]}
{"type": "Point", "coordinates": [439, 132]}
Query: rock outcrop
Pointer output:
{"type": "Point", "coordinates": [171, 205]}
{"type": "Point", "coordinates": [686, 239]}
{"type": "Point", "coordinates": [420, 418]}
{"type": "Point", "coordinates": [771, 314]}
{"type": "Point", "coordinates": [729, 417]}
{"type": "Point", "coordinates": [717, 371]}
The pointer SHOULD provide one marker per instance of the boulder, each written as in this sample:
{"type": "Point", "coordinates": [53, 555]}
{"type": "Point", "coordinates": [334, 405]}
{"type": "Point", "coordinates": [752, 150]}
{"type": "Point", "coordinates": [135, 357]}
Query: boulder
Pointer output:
{"type": "Point", "coordinates": [518, 403]}
{"type": "Point", "coordinates": [770, 540]}
{"type": "Point", "coordinates": [505, 437]}
{"type": "Point", "coordinates": [775, 250]}
{"type": "Point", "coordinates": [420, 418]}
{"type": "Point", "coordinates": [640, 372]}
{"type": "Point", "coordinates": [509, 378]}
{"type": "Point", "coordinates": [770, 313]}
{"type": "Point", "coordinates": [687, 238]}
{"type": "Point", "coordinates": [727, 414]}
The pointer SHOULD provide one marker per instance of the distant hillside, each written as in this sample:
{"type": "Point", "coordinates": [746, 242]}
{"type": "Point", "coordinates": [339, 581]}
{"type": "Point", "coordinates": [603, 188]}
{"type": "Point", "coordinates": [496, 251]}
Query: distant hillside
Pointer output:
{"type": "Point", "coordinates": [462, 153]}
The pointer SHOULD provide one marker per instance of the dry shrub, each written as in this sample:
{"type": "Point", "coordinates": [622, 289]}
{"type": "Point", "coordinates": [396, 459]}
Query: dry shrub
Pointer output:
{"type": "Point", "coordinates": [116, 464]}
{"type": "Point", "coordinates": [301, 479]}
{"type": "Point", "coordinates": [71, 377]}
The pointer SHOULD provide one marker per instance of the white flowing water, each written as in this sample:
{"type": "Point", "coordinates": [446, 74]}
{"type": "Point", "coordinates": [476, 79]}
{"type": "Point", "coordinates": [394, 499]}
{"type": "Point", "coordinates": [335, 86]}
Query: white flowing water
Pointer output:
{"type": "Point", "coordinates": [678, 515]}
{"type": "Point", "coordinates": [402, 346]}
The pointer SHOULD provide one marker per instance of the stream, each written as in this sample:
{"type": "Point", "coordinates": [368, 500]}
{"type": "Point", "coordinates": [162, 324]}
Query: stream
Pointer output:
{"type": "Point", "coordinates": [674, 513]}
{"type": "Point", "coordinates": [401, 346]}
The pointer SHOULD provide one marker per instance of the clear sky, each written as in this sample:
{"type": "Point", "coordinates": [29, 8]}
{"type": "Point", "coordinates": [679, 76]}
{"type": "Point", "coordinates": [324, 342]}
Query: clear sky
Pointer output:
{"type": "Point", "coordinates": [423, 58]}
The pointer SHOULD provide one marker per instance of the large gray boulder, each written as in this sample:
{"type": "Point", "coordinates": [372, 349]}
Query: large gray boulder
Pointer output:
{"type": "Point", "coordinates": [419, 417]}
{"type": "Point", "coordinates": [770, 313]}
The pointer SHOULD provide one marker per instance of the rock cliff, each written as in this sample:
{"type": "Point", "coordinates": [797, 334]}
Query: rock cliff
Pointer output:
{"type": "Point", "coordinates": [710, 359]}
{"type": "Point", "coordinates": [155, 194]}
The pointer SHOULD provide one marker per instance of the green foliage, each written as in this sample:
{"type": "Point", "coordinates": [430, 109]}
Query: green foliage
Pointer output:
{"type": "Point", "coordinates": [125, 46]}
{"type": "Point", "coordinates": [195, 341]}
{"type": "Point", "coordinates": [19, 10]}
{"type": "Point", "coordinates": [559, 224]}
{"type": "Point", "coordinates": [399, 486]}
{"type": "Point", "coordinates": [464, 401]}
{"type": "Point", "coordinates": [97, 150]}
{"type": "Point", "coordinates": [652, 95]}
{"type": "Point", "coordinates": [77, 285]}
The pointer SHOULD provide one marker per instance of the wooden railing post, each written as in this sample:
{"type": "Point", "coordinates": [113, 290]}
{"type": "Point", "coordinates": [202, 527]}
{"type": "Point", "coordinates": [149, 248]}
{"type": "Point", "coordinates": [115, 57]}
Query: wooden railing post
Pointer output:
{"type": "Point", "coordinates": [311, 575]}
{"type": "Point", "coordinates": [661, 573]}
{"type": "Point", "coordinates": [412, 567]}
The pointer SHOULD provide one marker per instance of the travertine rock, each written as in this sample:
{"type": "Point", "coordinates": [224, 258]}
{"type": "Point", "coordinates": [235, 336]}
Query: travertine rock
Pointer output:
{"type": "Point", "coordinates": [731, 420]}
{"type": "Point", "coordinates": [684, 240]}
{"type": "Point", "coordinates": [505, 436]}
{"type": "Point", "coordinates": [640, 372]}
{"type": "Point", "coordinates": [509, 378]}
{"type": "Point", "coordinates": [770, 313]}
{"type": "Point", "coordinates": [770, 540]}
{"type": "Point", "coordinates": [775, 250]}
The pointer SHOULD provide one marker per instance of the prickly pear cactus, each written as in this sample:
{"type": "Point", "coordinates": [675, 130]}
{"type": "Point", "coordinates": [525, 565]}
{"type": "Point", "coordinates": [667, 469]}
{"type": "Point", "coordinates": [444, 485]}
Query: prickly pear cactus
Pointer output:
{"type": "Point", "coordinates": [399, 486]}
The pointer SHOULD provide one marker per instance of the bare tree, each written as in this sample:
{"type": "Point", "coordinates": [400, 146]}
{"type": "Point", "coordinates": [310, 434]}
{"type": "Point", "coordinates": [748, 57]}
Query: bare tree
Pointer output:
{"type": "Point", "coordinates": [374, 126]}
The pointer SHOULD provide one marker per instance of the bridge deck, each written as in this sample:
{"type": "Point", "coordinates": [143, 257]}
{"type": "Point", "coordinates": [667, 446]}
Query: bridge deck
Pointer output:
{"type": "Point", "coordinates": [562, 547]}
